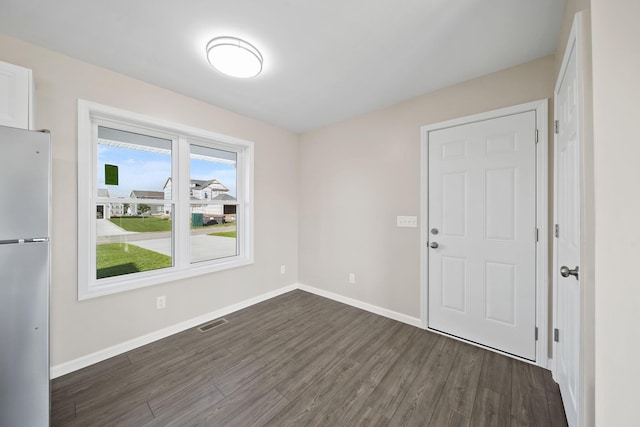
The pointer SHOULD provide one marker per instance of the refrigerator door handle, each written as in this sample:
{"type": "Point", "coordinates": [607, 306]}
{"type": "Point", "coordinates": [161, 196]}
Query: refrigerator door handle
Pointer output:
{"type": "Point", "coordinates": [18, 241]}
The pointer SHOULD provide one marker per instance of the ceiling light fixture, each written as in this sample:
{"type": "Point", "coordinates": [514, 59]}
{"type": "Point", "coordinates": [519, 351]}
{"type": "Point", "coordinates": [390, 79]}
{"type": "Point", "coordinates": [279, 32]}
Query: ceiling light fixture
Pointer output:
{"type": "Point", "coordinates": [234, 57]}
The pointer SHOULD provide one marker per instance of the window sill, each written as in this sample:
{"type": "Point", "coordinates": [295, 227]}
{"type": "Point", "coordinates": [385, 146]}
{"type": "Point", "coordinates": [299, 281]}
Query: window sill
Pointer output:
{"type": "Point", "coordinates": [118, 284]}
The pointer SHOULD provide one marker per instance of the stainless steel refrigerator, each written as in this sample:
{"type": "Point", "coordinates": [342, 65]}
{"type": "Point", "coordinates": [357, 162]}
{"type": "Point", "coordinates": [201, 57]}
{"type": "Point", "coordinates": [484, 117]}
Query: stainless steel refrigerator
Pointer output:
{"type": "Point", "coordinates": [25, 189]}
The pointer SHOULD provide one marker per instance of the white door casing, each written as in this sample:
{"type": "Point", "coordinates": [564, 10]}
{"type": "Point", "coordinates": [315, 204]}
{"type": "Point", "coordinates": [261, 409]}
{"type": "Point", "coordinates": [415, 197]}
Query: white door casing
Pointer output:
{"type": "Point", "coordinates": [486, 280]}
{"type": "Point", "coordinates": [567, 205]}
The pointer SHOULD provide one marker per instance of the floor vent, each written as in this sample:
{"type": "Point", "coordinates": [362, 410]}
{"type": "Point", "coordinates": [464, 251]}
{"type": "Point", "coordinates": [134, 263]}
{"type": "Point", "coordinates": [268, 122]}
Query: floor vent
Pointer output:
{"type": "Point", "coordinates": [211, 325]}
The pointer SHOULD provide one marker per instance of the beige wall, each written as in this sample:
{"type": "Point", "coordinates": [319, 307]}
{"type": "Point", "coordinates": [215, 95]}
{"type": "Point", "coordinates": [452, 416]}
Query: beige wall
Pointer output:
{"type": "Point", "coordinates": [358, 175]}
{"type": "Point", "coordinates": [616, 91]}
{"type": "Point", "coordinates": [81, 328]}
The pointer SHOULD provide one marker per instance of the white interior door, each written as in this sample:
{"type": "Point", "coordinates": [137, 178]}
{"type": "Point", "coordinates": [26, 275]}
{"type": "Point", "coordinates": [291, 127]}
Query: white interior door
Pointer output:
{"type": "Point", "coordinates": [567, 248]}
{"type": "Point", "coordinates": [482, 218]}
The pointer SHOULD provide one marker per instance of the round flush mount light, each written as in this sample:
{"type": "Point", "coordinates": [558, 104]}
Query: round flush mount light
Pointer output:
{"type": "Point", "coordinates": [234, 57]}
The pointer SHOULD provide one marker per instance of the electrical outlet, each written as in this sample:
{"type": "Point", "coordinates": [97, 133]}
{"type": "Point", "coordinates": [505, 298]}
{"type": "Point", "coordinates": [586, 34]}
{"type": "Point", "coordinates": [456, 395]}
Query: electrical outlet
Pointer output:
{"type": "Point", "coordinates": [283, 269]}
{"type": "Point", "coordinates": [161, 302]}
{"type": "Point", "coordinates": [352, 278]}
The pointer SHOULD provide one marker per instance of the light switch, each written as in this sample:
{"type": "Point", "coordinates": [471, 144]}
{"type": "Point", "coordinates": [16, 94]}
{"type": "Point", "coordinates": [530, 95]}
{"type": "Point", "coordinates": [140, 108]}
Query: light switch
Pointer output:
{"type": "Point", "coordinates": [407, 221]}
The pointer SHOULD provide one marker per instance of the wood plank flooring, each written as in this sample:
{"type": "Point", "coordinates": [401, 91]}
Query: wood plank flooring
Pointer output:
{"type": "Point", "coordinates": [303, 360]}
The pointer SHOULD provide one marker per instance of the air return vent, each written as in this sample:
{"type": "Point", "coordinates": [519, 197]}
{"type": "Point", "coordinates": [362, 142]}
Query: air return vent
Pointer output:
{"type": "Point", "coordinates": [208, 326]}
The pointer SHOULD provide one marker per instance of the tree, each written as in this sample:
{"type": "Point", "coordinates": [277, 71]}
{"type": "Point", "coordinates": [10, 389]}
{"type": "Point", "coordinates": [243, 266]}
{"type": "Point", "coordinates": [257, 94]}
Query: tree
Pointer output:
{"type": "Point", "coordinates": [143, 209]}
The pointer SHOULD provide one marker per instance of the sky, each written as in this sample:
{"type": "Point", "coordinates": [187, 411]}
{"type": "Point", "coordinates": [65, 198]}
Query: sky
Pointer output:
{"type": "Point", "coordinates": [148, 171]}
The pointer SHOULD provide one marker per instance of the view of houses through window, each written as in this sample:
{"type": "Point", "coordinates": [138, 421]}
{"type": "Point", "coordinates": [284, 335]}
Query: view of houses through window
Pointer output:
{"type": "Point", "coordinates": [137, 200]}
{"type": "Point", "coordinates": [213, 206]}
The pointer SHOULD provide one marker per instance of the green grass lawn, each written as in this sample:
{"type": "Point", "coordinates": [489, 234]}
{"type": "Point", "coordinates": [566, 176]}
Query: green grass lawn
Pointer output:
{"type": "Point", "coordinates": [142, 224]}
{"type": "Point", "coordinates": [149, 224]}
{"type": "Point", "coordinates": [115, 259]}
{"type": "Point", "coordinates": [225, 234]}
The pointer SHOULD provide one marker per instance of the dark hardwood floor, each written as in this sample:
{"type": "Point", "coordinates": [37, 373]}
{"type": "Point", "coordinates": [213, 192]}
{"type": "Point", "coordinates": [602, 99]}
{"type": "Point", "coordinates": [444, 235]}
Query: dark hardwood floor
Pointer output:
{"type": "Point", "coordinates": [303, 360]}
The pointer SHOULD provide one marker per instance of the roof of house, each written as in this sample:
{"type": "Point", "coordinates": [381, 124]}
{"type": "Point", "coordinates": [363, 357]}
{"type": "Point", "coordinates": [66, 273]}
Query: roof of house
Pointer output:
{"type": "Point", "coordinates": [103, 192]}
{"type": "Point", "coordinates": [224, 197]}
{"type": "Point", "coordinates": [142, 194]}
{"type": "Point", "coordinates": [214, 184]}
{"type": "Point", "coordinates": [198, 184]}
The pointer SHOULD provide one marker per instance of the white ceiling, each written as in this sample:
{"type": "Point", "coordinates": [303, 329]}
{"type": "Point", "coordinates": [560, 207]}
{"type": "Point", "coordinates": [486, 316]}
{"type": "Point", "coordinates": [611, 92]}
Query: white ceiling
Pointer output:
{"type": "Point", "coordinates": [324, 60]}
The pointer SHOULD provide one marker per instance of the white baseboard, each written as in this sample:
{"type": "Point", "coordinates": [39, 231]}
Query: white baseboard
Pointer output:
{"type": "Point", "coordinates": [104, 354]}
{"type": "Point", "coordinates": [98, 356]}
{"type": "Point", "coordinates": [409, 320]}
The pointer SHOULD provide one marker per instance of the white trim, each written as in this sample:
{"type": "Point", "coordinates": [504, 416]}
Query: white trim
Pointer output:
{"type": "Point", "coordinates": [98, 356]}
{"type": "Point", "coordinates": [89, 116]}
{"type": "Point", "coordinates": [104, 354]}
{"type": "Point", "coordinates": [542, 203]}
{"type": "Point", "coordinates": [409, 320]}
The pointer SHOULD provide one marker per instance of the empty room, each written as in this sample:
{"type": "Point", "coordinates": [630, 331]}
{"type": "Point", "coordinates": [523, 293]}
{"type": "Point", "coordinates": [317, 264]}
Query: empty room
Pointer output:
{"type": "Point", "coordinates": [337, 213]}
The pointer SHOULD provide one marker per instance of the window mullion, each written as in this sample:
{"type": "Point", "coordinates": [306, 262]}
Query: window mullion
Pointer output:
{"type": "Point", "coordinates": [240, 193]}
{"type": "Point", "coordinates": [91, 262]}
{"type": "Point", "coordinates": [245, 203]}
{"type": "Point", "coordinates": [181, 199]}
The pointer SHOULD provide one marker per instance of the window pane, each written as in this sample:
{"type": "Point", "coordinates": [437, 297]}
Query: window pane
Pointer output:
{"type": "Point", "coordinates": [131, 244]}
{"type": "Point", "coordinates": [212, 190]}
{"type": "Point", "coordinates": [133, 236]}
{"type": "Point", "coordinates": [133, 165]}
{"type": "Point", "coordinates": [213, 236]}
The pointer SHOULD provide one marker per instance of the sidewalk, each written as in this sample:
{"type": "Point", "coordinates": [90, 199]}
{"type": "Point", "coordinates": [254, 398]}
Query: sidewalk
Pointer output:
{"type": "Point", "coordinates": [203, 247]}
{"type": "Point", "coordinates": [104, 227]}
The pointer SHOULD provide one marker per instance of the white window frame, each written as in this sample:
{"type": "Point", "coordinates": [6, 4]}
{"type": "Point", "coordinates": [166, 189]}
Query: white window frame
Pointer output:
{"type": "Point", "coordinates": [92, 115]}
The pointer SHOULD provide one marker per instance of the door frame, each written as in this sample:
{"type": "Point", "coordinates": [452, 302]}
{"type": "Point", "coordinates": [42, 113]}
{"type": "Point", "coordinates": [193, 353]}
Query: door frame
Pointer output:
{"type": "Point", "coordinates": [542, 217]}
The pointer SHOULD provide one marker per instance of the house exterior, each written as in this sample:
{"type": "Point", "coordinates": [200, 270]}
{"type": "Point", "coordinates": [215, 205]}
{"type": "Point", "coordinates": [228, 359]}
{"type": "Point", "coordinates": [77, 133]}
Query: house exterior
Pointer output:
{"type": "Point", "coordinates": [211, 190]}
{"type": "Point", "coordinates": [230, 208]}
{"type": "Point", "coordinates": [143, 194]}
{"type": "Point", "coordinates": [108, 210]}
{"type": "Point", "coordinates": [117, 209]}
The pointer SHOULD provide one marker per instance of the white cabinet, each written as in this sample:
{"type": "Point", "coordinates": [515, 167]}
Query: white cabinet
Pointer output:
{"type": "Point", "coordinates": [16, 96]}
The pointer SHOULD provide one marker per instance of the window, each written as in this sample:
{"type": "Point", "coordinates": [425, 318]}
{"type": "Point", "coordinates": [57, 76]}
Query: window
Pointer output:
{"type": "Point", "coordinates": [157, 201]}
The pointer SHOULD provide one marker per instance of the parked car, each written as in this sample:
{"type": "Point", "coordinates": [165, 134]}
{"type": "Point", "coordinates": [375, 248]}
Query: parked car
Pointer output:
{"type": "Point", "coordinates": [213, 220]}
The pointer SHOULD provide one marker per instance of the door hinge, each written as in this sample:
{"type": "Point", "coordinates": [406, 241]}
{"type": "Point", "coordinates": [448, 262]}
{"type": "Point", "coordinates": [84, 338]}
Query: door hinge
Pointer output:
{"type": "Point", "coordinates": [556, 335]}
{"type": "Point", "coordinates": [557, 231]}
{"type": "Point", "coordinates": [537, 234]}
{"type": "Point", "coordinates": [537, 136]}
{"type": "Point", "coordinates": [536, 333]}
{"type": "Point", "coordinates": [556, 126]}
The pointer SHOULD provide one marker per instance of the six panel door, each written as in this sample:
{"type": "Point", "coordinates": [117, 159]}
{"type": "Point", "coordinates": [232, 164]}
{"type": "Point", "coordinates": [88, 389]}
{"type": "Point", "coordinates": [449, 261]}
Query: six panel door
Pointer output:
{"type": "Point", "coordinates": [482, 216]}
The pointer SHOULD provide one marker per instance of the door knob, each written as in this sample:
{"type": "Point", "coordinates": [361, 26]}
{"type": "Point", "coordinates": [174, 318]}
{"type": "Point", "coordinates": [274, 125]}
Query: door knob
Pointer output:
{"type": "Point", "coordinates": [434, 245]}
{"type": "Point", "coordinates": [566, 272]}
